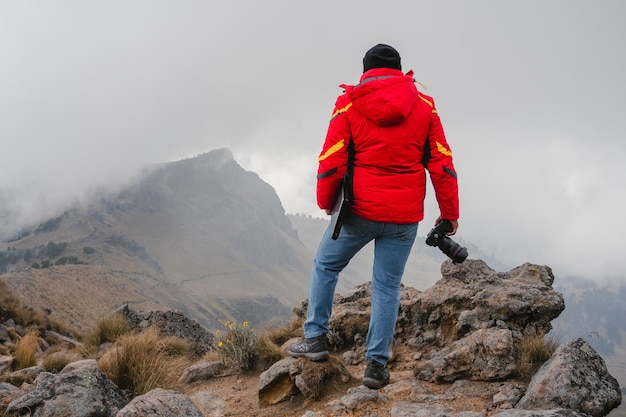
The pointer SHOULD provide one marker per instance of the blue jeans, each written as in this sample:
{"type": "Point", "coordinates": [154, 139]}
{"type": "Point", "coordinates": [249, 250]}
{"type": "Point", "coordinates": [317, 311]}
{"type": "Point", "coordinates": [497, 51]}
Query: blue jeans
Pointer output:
{"type": "Point", "coordinates": [392, 245]}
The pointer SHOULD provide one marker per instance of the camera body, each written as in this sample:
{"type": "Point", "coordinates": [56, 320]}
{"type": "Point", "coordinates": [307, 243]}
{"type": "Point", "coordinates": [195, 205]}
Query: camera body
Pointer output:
{"type": "Point", "coordinates": [437, 237]}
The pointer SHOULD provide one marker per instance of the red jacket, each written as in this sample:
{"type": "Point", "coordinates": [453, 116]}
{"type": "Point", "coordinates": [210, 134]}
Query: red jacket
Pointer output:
{"type": "Point", "coordinates": [397, 133]}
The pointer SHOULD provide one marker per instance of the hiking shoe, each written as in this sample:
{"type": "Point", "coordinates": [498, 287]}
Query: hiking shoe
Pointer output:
{"type": "Point", "coordinates": [315, 349]}
{"type": "Point", "coordinates": [376, 376]}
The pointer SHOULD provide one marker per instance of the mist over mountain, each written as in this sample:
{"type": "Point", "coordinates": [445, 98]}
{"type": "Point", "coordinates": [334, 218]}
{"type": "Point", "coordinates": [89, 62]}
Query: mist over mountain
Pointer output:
{"type": "Point", "coordinates": [200, 235]}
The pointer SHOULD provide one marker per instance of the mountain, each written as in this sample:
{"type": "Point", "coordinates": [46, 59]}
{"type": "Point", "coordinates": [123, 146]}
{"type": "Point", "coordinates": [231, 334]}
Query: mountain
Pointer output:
{"type": "Point", "coordinates": [201, 235]}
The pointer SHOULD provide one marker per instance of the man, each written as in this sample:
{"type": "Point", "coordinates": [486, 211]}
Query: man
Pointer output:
{"type": "Point", "coordinates": [397, 134]}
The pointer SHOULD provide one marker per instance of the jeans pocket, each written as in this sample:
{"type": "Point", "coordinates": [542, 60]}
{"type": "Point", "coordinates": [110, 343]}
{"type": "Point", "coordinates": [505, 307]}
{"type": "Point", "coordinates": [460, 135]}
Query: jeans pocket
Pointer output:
{"type": "Point", "coordinates": [353, 225]}
{"type": "Point", "coordinates": [406, 231]}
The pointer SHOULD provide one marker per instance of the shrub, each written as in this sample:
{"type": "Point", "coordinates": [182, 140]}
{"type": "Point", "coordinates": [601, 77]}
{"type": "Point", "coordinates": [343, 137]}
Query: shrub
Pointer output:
{"type": "Point", "coordinates": [237, 344]}
{"type": "Point", "coordinates": [55, 249]}
{"type": "Point", "coordinates": [49, 225]}
{"type": "Point", "coordinates": [534, 351]}
{"type": "Point", "coordinates": [64, 260]}
{"type": "Point", "coordinates": [144, 361]}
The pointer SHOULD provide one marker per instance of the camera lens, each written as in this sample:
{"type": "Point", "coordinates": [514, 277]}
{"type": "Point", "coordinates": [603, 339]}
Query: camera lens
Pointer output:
{"type": "Point", "coordinates": [453, 250]}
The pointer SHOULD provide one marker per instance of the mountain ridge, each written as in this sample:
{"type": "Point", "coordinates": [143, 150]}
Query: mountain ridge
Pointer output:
{"type": "Point", "coordinates": [201, 235]}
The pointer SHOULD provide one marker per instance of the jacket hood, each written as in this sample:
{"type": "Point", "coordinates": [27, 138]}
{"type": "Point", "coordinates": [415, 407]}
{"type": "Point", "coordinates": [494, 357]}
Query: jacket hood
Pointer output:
{"type": "Point", "coordinates": [385, 96]}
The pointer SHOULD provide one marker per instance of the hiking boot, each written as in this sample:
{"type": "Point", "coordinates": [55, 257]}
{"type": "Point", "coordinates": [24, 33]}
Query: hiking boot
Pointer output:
{"type": "Point", "coordinates": [376, 376]}
{"type": "Point", "coordinates": [315, 349]}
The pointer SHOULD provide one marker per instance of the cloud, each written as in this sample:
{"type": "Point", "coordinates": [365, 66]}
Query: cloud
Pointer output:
{"type": "Point", "coordinates": [532, 104]}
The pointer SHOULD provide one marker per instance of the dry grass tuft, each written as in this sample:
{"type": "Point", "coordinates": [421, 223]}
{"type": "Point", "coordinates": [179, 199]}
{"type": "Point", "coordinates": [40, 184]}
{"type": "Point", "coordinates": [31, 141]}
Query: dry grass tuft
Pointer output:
{"type": "Point", "coordinates": [8, 300]}
{"type": "Point", "coordinates": [56, 359]}
{"type": "Point", "coordinates": [282, 334]}
{"type": "Point", "coordinates": [108, 330]}
{"type": "Point", "coordinates": [535, 350]}
{"type": "Point", "coordinates": [144, 361]}
{"type": "Point", "coordinates": [269, 352]}
{"type": "Point", "coordinates": [29, 318]}
{"type": "Point", "coordinates": [25, 351]}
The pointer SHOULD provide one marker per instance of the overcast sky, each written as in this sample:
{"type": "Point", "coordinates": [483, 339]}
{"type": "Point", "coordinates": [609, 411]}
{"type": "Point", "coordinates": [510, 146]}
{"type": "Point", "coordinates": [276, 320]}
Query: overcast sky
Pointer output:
{"type": "Point", "coordinates": [531, 94]}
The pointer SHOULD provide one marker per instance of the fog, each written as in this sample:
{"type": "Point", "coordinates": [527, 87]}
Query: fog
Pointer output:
{"type": "Point", "coordinates": [530, 94]}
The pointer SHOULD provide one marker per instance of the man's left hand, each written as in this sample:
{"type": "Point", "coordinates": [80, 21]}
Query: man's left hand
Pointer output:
{"type": "Point", "coordinates": [454, 223]}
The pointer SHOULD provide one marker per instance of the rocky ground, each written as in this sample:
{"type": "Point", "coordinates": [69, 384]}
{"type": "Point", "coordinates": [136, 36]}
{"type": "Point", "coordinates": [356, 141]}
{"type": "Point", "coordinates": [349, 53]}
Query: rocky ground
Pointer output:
{"type": "Point", "coordinates": [457, 352]}
{"type": "Point", "coordinates": [239, 390]}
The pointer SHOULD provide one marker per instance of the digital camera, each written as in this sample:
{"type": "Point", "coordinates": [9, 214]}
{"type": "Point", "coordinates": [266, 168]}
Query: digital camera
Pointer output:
{"type": "Point", "coordinates": [437, 237]}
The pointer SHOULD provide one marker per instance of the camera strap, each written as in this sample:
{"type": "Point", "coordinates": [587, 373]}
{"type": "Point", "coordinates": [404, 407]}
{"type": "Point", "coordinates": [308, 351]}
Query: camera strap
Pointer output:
{"type": "Point", "coordinates": [350, 172]}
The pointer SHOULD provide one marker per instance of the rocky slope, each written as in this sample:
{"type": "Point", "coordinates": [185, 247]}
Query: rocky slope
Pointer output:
{"type": "Point", "coordinates": [457, 353]}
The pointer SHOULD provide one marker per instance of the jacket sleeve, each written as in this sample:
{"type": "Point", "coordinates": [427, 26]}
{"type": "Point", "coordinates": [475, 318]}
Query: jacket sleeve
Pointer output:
{"type": "Point", "coordinates": [438, 158]}
{"type": "Point", "coordinates": [333, 158]}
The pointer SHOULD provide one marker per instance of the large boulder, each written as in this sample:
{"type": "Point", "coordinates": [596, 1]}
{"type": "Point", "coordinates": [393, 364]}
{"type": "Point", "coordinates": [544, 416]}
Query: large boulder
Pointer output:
{"type": "Point", "coordinates": [86, 392]}
{"type": "Point", "coordinates": [170, 323]}
{"type": "Point", "coordinates": [8, 394]}
{"type": "Point", "coordinates": [575, 377]}
{"type": "Point", "coordinates": [160, 403]}
{"type": "Point", "coordinates": [469, 324]}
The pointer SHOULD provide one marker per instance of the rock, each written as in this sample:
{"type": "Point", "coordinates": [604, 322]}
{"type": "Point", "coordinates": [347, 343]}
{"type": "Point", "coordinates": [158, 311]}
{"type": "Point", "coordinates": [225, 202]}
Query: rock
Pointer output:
{"type": "Point", "coordinates": [468, 325]}
{"type": "Point", "coordinates": [61, 338]}
{"type": "Point", "coordinates": [5, 363]}
{"type": "Point", "coordinates": [73, 366]}
{"type": "Point", "coordinates": [86, 392]}
{"type": "Point", "coordinates": [160, 403]}
{"type": "Point", "coordinates": [276, 384]}
{"type": "Point", "coordinates": [170, 323]}
{"type": "Point", "coordinates": [289, 376]}
{"type": "Point", "coordinates": [4, 334]}
{"type": "Point", "coordinates": [26, 375]}
{"type": "Point", "coordinates": [209, 403]}
{"type": "Point", "coordinates": [559, 412]}
{"type": "Point", "coordinates": [311, 413]}
{"type": "Point", "coordinates": [355, 398]}
{"type": "Point", "coordinates": [8, 393]}
{"type": "Point", "coordinates": [484, 355]}
{"type": "Point", "coordinates": [509, 394]}
{"type": "Point", "coordinates": [201, 372]}
{"type": "Point", "coordinates": [407, 409]}
{"type": "Point", "coordinates": [576, 378]}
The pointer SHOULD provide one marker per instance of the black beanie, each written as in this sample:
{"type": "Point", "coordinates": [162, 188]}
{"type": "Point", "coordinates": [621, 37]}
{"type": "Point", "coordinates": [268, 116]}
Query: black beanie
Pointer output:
{"type": "Point", "coordinates": [381, 56]}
